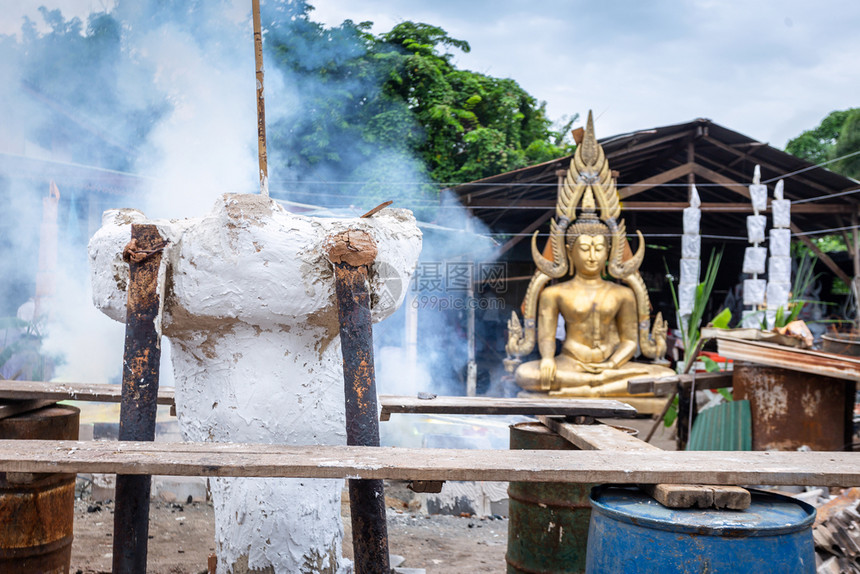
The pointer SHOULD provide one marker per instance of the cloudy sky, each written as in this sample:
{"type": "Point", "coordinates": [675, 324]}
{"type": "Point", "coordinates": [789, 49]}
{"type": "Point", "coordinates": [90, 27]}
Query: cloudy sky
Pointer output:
{"type": "Point", "coordinates": [766, 68]}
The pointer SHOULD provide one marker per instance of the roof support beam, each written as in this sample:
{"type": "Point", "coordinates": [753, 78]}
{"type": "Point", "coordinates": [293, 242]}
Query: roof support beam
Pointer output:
{"type": "Point", "coordinates": [632, 189]}
{"type": "Point", "coordinates": [821, 255]}
{"type": "Point", "coordinates": [741, 155]}
{"type": "Point", "coordinates": [727, 182]}
{"type": "Point", "coordinates": [526, 232]}
{"type": "Point", "coordinates": [634, 147]}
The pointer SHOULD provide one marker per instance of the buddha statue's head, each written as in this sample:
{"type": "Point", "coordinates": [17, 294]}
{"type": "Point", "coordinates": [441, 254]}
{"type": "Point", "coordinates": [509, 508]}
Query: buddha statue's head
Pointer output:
{"type": "Point", "coordinates": [587, 241]}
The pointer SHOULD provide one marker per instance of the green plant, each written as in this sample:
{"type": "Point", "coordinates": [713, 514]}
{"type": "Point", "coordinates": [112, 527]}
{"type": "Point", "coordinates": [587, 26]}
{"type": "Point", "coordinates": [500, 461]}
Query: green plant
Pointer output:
{"type": "Point", "coordinates": [690, 329]}
{"type": "Point", "coordinates": [803, 280]}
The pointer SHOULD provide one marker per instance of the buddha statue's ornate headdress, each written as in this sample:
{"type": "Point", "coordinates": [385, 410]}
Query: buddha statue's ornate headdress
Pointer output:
{"type": "Point", "coordinates": [589, 188]}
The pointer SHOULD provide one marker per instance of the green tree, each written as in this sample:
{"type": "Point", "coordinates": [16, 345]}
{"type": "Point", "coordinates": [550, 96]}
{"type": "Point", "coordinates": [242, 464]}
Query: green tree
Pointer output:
{"type": "Point", "coordinates": [476, 125]}
{"type": "Point", "coordinates": [373, 102]}
{"type": "Point", "coordinates": [837, 135]}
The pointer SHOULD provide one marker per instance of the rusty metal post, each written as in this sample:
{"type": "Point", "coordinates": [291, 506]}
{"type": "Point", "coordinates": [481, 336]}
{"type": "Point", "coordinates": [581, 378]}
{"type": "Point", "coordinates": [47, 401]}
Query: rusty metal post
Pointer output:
{"type": "Point", "coordinates": [141, 360]}
{"type": "Point", "coordinates": [351, 253]}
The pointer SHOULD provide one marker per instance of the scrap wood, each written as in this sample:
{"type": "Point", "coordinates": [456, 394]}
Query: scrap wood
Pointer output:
{"type": "Point", "coordinates": [838, 539]}
{"type": "Point", "coordinates": [605, 437]}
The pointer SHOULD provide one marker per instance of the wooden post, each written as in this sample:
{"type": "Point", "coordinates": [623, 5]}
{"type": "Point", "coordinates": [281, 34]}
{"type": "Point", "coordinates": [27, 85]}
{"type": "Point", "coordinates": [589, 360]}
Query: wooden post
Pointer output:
{"type": "Point", "coordinates": [855, 252]}
{"type": "Point", "coordinates": [261, 101]}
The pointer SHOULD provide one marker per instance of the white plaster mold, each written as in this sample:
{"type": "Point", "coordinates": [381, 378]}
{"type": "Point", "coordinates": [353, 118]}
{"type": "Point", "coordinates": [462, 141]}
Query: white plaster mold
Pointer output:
{"type": "Point", "coordinates": [250, 310]}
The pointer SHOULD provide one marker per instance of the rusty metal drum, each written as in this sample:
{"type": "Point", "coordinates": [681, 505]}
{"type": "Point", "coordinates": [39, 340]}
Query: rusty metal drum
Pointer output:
{"type": "Point", "coordinates": [791, 409]}
{"type": "Point", "coordinates": [37, 510]}
{"type": "Point", "coordinates": [548, 521]}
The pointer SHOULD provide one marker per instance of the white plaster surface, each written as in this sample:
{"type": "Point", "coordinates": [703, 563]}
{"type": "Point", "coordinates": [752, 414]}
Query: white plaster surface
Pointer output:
{"type": "Point", "coordinates": [780, 242]}
{"type": "Point", "coordinates": [692, 217]}
{"type": "Point", "coordinates": [691, 246]}
{"type": "Point", "coordinates": [690, 271]}
{"type": "Point", "coordinates": [686, 297]}
{"type": "Point", "coordinates": [250, 310]}
{"type": "Point", "coordinates": [779, 269]}
{"type": "Point", "coordinates": [758, 195]}
{"type": "Point", "coordinates": [754, 291]}
{"type": "Point", "coordinates": [754, 259]}
{"type": "Point", "coordinates": [781, 209]}
{"type": "Point", "coordinates": [755, 228]}
{"type": "Point", "coordinates": [777, 294]}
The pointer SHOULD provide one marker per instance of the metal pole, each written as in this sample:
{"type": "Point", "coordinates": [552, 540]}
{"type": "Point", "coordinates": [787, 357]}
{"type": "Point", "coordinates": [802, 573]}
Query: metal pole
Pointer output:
{"type": "Point", "coordinates": [261, 101]}
{"type": "Point", "coordinates": [141, 360]}
{"type": "Point", "coordinates": [351, 252]}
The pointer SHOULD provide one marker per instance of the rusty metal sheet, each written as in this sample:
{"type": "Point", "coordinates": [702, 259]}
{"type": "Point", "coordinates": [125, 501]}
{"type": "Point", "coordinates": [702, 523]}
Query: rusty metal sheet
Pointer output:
{"type": "Point", "coordinates": [791, 409]}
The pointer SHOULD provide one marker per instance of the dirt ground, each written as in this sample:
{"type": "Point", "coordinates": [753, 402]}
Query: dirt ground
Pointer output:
{"type": "Point", "coordinates": [181, 536]}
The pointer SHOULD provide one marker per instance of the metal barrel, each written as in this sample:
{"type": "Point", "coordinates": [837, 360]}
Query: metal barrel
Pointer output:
{"type": "Point", "coordinates": [632, 533]}
{"type": "Point", "coordinates": [37, 510]}
{"type": "Point", "coordinates": [548, 521]}
{"type": "Point", "coordinates": [791, 409]}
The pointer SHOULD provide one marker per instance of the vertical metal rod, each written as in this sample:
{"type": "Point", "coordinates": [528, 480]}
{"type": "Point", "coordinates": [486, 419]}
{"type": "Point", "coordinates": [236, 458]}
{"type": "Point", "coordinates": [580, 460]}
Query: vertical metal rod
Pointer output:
{"type": "Point", "coordinates": [261, 100]}
{"type": "Point", "coordinates": [351, 253]}
{"type": "Point", "coordinates": [141, 360]}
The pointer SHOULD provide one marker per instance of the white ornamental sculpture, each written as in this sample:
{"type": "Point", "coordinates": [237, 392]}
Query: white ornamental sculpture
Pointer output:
{"type": "Point", "coordinates": [249, 307]}
{"type": "Point", "coordinates": [779, 263]}
{"type": "Point", "coordinates": [755, 256]}
{"type": "Point", "coordinates": [690, 256]}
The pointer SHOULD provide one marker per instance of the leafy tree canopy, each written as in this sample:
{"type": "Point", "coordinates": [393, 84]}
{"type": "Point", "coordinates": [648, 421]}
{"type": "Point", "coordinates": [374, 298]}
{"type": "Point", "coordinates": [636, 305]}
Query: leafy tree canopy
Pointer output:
{"type": "Point", "coordinates": [838, 135]}
{"type": "Point", "coordinates": [401, 92]}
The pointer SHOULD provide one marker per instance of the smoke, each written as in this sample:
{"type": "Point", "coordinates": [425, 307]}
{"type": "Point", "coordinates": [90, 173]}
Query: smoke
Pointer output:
{"type": "Point", "coordinates": [161, 94]}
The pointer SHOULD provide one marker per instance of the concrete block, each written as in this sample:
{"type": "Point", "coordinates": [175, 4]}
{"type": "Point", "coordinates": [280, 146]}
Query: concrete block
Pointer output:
{"type": "Point", "coordinates": [179, 488]}
{"type": "Point", "coordinates": [476, 498]}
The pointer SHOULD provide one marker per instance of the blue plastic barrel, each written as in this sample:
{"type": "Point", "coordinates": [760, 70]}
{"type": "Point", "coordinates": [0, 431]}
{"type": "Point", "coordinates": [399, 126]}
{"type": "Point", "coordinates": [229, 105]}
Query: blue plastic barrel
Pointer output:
{"type": "Point", "coordinates": [632, 533]}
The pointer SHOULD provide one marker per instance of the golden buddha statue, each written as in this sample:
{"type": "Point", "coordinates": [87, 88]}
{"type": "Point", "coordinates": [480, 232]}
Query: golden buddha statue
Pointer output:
{"type": "Point", "coordinates": [605, 321]}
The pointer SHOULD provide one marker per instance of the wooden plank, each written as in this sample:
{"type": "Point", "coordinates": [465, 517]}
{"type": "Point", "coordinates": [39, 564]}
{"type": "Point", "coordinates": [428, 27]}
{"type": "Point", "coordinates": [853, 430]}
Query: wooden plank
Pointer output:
{"type": "Point", "coordinates": [654, 181]}
{"type": "Point", "coordinates": [727, 182]}
{"type": "Point", "coordinates": [12, 408]}
{"type": "Point", "coordinates": [596, 466]}
{"type": "Point", "coordinates": [498, 406]}
{"type": "Point", "coordinates": [27, 390]}
{"type": "Point", "coordinates": [663, 385]}
{"type": "Point", "coordinates": [605, 437]}
{"type": "Point", "coordinates": [596, 437]}
{"type": "Point", "coordinates": [699, 496]}
{"type": "Point", "coordinates": [802, 360]}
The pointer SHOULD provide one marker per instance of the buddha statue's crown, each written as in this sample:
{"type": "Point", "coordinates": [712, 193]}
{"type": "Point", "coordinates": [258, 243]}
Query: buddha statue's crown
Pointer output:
{"type": "Point", "coordinates": [588, 222]}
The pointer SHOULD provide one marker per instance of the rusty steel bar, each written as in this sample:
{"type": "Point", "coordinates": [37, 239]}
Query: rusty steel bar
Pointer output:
{"type": "Point", "coordinates": [351, 253]}
{"type": "Point", "coordinates": [141, 360]}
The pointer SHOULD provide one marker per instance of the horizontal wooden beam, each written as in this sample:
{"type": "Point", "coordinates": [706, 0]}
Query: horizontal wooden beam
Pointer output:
{"type": "Point", "coordinates": [498, 406]}
{"type": "Point", "coordinates": [662, 386]}
{"type": "Point", "coordinates": [30, 390]}
{"type": "Point", "coordinates": [714, 207]}
{"type": "Point", "coordinates": [258, 460]}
